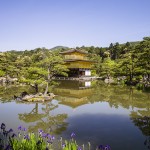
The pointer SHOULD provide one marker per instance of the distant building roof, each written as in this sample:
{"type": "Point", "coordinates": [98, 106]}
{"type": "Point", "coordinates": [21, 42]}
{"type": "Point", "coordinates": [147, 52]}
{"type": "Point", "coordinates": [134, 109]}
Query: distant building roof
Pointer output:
{"type": "Point", "coordinates": [73, 50]}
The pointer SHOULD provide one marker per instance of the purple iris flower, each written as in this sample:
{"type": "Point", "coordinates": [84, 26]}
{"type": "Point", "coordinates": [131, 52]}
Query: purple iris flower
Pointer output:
{"type": "Point", "coordinates": [52, 137]}
{"type": "Point", "coordinates": [24, 129]}
{"type": "Point", "coordinates": [14, 135]}
{"type": "Point", "coordinates": [40, 131]}
{"type": "Point", "coordinates": [101, 147]}
{"type": "Point", "coordinates": [20, 127]}
{"type": "Point", "coordinates": [79, 148]}
{"type": "Point", "coordinates": [72, 135]}
{"type": "Point", "coordinates": [63, 145]}
{"type": "Point", "coordinates": [44, 135]}
{"type": "Point", "coordinates": [10, 130]}
{"type": "Point", "coordinates": [3, 126]}
{"type": "Point", "coordinates": [49, 136]}
{"type": "Point", "coordinates": [27, 137]}
{"type": "Point", "coordinates": [107, 147]}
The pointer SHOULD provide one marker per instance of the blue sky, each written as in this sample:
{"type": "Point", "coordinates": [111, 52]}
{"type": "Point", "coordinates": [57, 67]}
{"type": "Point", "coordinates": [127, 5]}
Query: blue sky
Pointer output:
{"type": "Point", "coordinates": [28, 24]}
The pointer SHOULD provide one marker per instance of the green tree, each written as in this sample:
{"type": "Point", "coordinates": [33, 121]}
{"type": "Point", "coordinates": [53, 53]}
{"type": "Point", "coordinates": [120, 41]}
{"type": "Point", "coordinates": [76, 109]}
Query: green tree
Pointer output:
{"type": "Point", "coordinates": [34, 76]}
{"type": "Point", "coordinates": [143, 54]}
{"type": "Point", "coordinates": [22, 64]}
{"type": "Point", "coordinates": [108, 67]}
{"type": "Point", "coordinates": [54, 64]}
{"type": "Point", "coordinates": [7, 64]}
{"type": "Point", "coordinates": [128, 65]}
{"type": "Point", "coordinates": [97, 66]}
{"type": "Point", "coordinates": [2, 73]}
{"type": "Point", "coordinates": [40, 68]}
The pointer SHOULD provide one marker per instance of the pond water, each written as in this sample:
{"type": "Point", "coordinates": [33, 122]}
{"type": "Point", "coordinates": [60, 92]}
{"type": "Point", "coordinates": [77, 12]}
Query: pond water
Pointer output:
{"type": "Point", "coordinates": [96, 112]}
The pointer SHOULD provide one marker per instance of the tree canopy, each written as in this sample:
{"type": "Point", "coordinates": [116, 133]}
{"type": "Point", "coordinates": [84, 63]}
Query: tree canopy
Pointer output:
{"type": "Point", "coordinates": [40, 65]}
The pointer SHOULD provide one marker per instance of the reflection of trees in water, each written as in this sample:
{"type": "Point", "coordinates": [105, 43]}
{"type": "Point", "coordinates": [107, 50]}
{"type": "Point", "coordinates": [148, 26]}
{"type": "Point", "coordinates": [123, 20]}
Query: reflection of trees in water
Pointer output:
{"type": "Point", "coordinates": [7, 92]}
{"type": "Point", "coordinates": [32, 116]}
{"type": "Point", "coordinates": [118, 95]}
{"type": "Point", "coordinates": [142, 121]}
{"type": "Point", "coordinates": [115, 95]}
{"type": "Point", "coordinates": [127, 97]}
{"type": "Point", "coordinates": [44, 120]}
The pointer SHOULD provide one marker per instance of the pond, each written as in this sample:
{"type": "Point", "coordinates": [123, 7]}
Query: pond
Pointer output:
{"type": "Point", "coordinates": [98, 113]}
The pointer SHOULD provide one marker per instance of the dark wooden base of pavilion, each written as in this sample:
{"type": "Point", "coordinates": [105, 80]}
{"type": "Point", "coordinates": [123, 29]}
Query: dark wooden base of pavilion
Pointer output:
{"type": "Point", "coordinates": [79, 72]}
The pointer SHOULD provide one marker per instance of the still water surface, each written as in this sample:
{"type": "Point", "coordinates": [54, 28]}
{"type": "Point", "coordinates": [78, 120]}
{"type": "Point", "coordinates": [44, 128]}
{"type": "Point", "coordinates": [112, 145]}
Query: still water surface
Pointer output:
{"type": "Point", "coordinates": [96, 112]}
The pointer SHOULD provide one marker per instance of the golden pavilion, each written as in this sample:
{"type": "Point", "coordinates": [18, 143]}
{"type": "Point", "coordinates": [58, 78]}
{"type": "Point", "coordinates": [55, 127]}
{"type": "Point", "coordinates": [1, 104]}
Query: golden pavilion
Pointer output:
{"type": "Point", "coordinates": [77, 63]}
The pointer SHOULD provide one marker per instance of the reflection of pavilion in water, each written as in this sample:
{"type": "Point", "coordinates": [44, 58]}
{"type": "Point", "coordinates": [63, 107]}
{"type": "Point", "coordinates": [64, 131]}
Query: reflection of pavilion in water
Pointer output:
{"type": "Point", "coordinates": [73, 93]}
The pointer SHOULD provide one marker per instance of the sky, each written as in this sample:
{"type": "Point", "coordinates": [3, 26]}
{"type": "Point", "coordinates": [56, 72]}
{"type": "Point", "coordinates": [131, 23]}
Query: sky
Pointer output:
{"type": "Point", "coordinates": [29, 24]}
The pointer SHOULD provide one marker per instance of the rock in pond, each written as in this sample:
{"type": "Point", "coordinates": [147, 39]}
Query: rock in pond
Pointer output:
{"type": "Point", "coordinates": [36, 98]}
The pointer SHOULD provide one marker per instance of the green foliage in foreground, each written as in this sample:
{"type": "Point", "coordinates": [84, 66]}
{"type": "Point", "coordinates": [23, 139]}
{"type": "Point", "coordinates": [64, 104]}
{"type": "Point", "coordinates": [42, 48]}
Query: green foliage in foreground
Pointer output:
{"type": "Point", "coordinates": [39, 141]}
{"type": "Point", "coordinates": [28, 142]}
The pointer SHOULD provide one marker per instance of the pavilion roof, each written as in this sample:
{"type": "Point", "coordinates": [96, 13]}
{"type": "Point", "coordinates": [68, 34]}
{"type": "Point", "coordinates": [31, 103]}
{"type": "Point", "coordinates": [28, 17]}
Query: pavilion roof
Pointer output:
{"type": "Point", "coordinates": [82, 60]}
{"type": "Point", "coordinates": [73, 50]}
